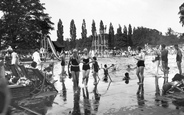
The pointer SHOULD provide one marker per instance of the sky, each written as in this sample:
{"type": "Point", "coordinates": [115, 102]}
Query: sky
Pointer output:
{"type": "Point", "coordinates": [154, 14]}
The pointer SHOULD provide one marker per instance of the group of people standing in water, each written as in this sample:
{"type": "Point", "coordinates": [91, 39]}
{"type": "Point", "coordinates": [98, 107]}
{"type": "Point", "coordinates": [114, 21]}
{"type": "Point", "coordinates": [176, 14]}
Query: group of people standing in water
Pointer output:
{"type": "Point", "coordinates": [160, 58]}
{"type": "Point", "coordinates": [74, 67]}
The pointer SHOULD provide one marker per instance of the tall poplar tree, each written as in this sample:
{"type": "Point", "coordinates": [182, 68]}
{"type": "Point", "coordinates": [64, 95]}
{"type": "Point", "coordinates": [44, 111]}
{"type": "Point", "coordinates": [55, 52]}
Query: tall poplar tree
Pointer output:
{"type": "Point", "coordinates": [130, 43]}
{"type": "Point", "coordinates": [60, 32]}
{"type": "Point", "coordinates": [73, 34]}
{"type": "Point", "coordinates": [84, 34]}
{"type": "Point", "coordinates": [93, 28]}
{"type": "Point", "coordinates": [125, 36]}
{"type": "Point", "coordinates": [102, 28]}
{"type": "Point", "coordinates": [111, 36]}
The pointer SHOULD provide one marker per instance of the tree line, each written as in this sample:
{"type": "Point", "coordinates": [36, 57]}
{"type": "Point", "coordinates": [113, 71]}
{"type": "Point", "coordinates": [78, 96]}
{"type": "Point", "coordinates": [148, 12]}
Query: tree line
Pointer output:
{"type": "Point", "coordinates": [120, 38]}
{"type": "Point", "coordinates": [24, 24]}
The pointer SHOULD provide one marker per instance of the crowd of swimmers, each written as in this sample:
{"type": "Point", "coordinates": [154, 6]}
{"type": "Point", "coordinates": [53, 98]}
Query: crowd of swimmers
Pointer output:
{"type": "Point", "coordinates": [160, 59]}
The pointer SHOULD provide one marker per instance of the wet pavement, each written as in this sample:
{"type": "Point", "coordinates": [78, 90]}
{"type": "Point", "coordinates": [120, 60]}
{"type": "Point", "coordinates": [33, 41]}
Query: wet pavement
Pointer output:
{"type": "Point", "coordinates": [105, 98]}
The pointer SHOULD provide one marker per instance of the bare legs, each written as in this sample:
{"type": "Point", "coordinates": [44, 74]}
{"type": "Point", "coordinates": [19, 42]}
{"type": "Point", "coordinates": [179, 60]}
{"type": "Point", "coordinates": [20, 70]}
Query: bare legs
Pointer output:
{"type": "Point", "coordinates": [75, 76]}
{"type": "Point", "coordinates": [179, 67]}
{"type": "Point", "coordinates": [62, 70]}
{"type": "Point", "coordinates": [140, 75]}
{"type": "Point", "coordinates": [157, 66]}
{"type": "Point", "coordinates": [95, 77]}
{"type": "Point", "coordinates": [165, 70]}
{"type": "Point", "coordinates": [85, 76]}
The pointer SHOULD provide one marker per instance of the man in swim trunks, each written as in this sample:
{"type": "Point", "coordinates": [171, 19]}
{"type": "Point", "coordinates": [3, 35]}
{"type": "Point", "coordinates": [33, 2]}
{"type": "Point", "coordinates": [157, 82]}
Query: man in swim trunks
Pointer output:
{"type": "Point", "coordinates": [164, 58]}
{"type": "Point", "coordinates": [178, 58]}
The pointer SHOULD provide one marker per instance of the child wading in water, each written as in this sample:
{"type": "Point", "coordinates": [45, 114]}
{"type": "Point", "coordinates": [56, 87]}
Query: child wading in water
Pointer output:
{"type": "Point", "coordinates": [126, 78]}
{"type": "Point", "coordinates": [106, 73]}
{"type": "Point", "coordinates": [95, 67]}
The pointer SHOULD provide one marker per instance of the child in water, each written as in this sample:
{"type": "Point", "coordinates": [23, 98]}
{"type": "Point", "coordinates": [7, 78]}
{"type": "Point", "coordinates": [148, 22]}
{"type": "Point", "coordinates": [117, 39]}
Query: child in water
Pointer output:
{"type": "Point", "coordinates": [95, 67]}
{"type": "Point", "coordinates": [105, 73]}
{"type": "Point", "coordinates": [126, 78]}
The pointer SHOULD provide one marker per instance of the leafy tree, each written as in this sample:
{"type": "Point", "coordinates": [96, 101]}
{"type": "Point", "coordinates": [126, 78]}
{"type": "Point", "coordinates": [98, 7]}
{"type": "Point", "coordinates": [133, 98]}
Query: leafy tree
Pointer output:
{"type": "Point", "coordinates": [142, 35]}
{"type": "Point", "coordinates": [24, 23]}
{"type": "Point", "coordinates": [73, 34]}
{"type": "Point", "coordinates": [169, 32]}
{"type": "Point", "coordinates": [130, 35]}
{"type": "Point", "coordinates": [60, 32]}
{"type": "Point", "coordinates": [181, 12]}
{"type": "Point", "coordinates": [111, 36]}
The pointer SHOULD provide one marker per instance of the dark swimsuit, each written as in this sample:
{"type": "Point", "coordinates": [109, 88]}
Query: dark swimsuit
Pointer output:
{"type": "Point", "coordinates": [85, 65]}
{"type": "Point", "coordinates": [140, 63]}
{"type": "Point", "coordinates": [74, 65]}
{"type": "Point", "coordinates": [164, 58]}
{"type": "Point", "coordinates": [178, 58]}
{"type": "Point", "coordinates": [62, 62]}
{"type": "Point", "coordinates": [96, 67]}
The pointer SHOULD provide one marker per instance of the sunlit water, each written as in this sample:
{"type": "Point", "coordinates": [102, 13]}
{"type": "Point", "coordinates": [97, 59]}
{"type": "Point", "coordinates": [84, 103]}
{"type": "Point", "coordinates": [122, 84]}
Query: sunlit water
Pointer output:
{"type": "Point", "coordinates": [114, 97]}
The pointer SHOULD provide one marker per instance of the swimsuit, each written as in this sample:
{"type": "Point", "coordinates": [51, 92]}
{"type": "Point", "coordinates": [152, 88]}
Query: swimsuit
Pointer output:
{"type": "Point", "coordinates": [164, 58]}
{"type": "Point", "coordinates": [96, 67]}
{"type": "Point", "coordinates": [105, 71]}
{"type": "Point", "coordinates": [85, 65]}
{"type": "Point", "coordinates": [74, 65]}
{"type": "Point", "coordinates": [140, 63]}
{"type": "Point", "coordinates": [178, 58]}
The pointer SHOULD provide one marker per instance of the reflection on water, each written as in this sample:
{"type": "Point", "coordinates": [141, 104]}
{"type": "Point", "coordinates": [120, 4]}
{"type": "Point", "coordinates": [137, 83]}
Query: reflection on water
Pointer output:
{"type": "Point", "coordinates": [90, 106]}
{"type": "Point", "coordinates": [64, 92]}
{"type": "Point", "coordinates": [76, 107]}
{"type": "Point", "coordinates": [87, 105]}
{"type": "Point", "coordinates": [140, 96]}
{"type": "Point", "coordinates": [164, 101]}
{"type": "Point", "coordinates": [96, 98]}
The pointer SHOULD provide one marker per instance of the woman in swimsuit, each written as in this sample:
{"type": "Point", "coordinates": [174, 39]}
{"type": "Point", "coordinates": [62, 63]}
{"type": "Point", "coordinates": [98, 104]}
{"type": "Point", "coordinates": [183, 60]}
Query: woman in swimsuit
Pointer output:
{"type": "Point", "coordinates": [85, 67]}
{"type": "Point", "coordinates": [140, 65]}
{"type": "Point", "coordinates": [74, 67]}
